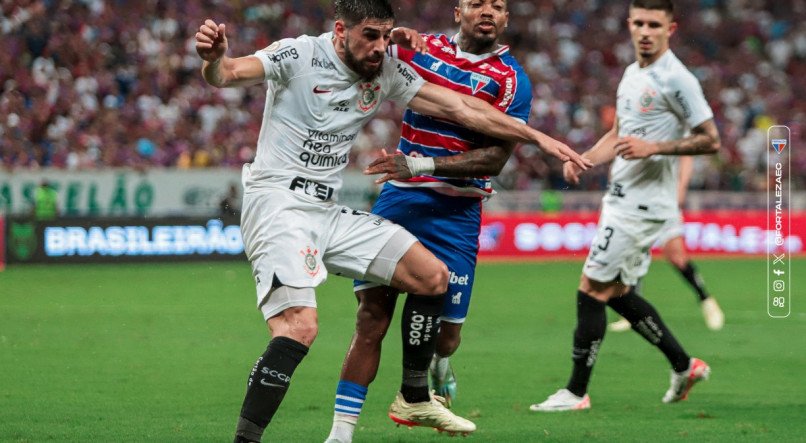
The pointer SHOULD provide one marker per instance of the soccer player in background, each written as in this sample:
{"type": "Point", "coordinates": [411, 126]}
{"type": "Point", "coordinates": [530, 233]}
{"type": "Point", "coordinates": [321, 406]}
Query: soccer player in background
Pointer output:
{"type": "Point", "coordinates": [320, 92]}
{"type": "Point", "coordinates": [661, 114]}
{"type": "Point", "coordinates": [435, 189]}
{"type": "Point", "coordinates": [674, 249]}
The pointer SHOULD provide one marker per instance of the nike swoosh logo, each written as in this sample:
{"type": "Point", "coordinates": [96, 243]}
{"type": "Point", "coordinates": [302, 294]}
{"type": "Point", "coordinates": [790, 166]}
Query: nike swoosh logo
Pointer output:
{"type": "Point", "coordinates": [265, 383]}
{"type": "Point", "coordinates": [316, 90]}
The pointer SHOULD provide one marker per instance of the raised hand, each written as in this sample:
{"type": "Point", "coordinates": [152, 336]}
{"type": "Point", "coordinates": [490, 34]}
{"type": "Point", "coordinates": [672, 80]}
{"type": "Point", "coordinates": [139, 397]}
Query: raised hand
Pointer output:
{"type": "Point", "coordinates": [211, 41]}
{"type": "Point", "coordinates": [409, 39]}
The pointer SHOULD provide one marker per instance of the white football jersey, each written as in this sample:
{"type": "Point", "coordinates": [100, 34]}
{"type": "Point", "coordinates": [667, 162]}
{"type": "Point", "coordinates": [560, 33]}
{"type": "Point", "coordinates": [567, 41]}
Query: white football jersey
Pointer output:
{"type": "Point", "coordinates": [660, 102]}
{"type": "Point", "coordinates": [315, 108]}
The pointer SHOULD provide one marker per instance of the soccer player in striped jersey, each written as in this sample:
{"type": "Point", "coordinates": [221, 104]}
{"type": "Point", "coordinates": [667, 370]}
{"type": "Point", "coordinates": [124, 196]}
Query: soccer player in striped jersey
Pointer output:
{"type": "Point", "coordinates": [434, 187]}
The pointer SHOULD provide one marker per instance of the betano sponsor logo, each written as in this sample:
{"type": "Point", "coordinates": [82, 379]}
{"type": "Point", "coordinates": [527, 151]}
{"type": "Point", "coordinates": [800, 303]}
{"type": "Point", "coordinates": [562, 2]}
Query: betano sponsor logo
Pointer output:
{"type": "Point", "coordinates": [458, 279]}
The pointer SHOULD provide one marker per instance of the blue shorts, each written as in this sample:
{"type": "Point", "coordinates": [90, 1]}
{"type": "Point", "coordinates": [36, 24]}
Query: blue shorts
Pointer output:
{"type": "Point", "coordinates": [448, 227]}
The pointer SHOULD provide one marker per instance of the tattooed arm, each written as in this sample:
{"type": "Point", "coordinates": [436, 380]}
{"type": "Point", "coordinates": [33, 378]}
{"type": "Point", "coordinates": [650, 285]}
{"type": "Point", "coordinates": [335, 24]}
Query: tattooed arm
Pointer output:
{"type": "Point", "coordinates": [480, 162]}
{"type": "Point", "coordinates": [475, 163]}
{"type": "Point", "coordinates": [704, 139]}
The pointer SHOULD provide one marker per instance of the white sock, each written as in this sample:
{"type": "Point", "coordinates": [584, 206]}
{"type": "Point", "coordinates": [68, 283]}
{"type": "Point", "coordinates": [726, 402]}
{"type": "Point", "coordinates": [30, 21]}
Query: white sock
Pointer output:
{"type": "Point", "coordinates": [343, 427]}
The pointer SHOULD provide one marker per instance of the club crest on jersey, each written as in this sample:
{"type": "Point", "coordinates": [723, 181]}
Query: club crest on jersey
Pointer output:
{"type": "Point", "coordinates": [779, 144]}
{"type": "Point", "coordinates": [368, 95]}
{"type": "Point", "coordinates": [478, 81]}
{"type": "Point", "coordinates": [311, 263]}
{"type": "Point", "coordinates": [647, 100]}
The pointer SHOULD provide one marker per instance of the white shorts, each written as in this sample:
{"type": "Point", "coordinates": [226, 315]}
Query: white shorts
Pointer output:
{"type": "Point", "coordinates": [621, 249]}
{"type": "Point", "coordinates": [673, 227]}
{"type": "Point", "coordinates": [292, 239]}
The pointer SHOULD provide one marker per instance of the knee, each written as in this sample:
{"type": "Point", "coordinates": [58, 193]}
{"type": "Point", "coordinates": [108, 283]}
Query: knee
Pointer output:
{"type": "Point", "coordinates": [307, 332]}
{"type": "Point", "coordinates": [675, 252]}
{"type": "Point", "coordinates": [435, 283]}
{"type": "Point", "coordinates": [679, 261]}
{"type": "Point", "coordinates": [300, 324]}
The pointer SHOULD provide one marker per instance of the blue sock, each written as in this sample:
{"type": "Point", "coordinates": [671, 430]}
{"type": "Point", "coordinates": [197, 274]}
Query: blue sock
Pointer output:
{"type": "Point", "coordinates": [350, 399]}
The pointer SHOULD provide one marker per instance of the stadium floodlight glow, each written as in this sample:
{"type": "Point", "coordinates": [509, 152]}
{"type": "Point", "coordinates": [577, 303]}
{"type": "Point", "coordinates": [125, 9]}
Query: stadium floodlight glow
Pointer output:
{"type": "Point", "coordinates": [779, 288]}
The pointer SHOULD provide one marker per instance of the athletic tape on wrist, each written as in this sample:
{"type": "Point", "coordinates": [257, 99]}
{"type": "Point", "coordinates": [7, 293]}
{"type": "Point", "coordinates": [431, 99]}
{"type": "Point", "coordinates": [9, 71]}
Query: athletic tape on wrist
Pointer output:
{"type": "Point", "coordinates": [420, 165]}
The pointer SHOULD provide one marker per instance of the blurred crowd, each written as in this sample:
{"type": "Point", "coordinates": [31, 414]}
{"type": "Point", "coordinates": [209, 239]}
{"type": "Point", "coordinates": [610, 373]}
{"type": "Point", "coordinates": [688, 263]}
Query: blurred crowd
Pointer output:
{"type": "Point", "coordinates": [112, 83]}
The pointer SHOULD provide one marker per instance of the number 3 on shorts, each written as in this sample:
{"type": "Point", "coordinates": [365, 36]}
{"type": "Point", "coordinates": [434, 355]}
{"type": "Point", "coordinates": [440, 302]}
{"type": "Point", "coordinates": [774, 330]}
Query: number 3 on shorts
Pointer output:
{"type": "Point", "coordinates": [606, 240]}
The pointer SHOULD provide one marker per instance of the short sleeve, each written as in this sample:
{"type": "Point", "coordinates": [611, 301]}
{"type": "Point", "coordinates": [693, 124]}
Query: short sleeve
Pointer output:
{"type": "Point", "coordinates": [283, 59]}
{"type": "Point", "coordinates": [404, 81]}
{"type": "Point", "coordinates": [687, 99]}
{"type": "Point", "coordinates": [515, 98]}
{"type": "Point", "coordinates": [395, 51]}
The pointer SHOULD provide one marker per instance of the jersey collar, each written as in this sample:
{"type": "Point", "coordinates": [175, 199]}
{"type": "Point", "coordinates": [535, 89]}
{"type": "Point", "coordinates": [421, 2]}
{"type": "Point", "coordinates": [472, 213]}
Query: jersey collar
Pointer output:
{"type": "Point", "coordinates": [475, 58]}
{"type": "Point", "coordinates": [662, 60]}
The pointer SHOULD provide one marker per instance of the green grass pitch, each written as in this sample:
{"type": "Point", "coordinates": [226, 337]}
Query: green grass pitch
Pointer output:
{"type": "Point", "coordinates": [161, 352]}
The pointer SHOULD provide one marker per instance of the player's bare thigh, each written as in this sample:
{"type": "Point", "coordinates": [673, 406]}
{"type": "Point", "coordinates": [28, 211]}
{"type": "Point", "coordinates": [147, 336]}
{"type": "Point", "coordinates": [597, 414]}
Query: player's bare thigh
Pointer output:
{"type": "Point", "coordinates": [602, 291]}
{"type": "Point", "coordinates": [420, 272]}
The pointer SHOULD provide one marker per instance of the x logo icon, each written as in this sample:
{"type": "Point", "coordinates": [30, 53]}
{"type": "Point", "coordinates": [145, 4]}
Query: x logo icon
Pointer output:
{"type": "Point", "coordinates": [778, 259]}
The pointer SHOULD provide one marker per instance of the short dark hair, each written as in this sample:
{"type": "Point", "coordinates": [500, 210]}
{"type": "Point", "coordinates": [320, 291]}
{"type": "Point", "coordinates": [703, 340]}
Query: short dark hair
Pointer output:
{"type": "Point", "coordinates": [353, 12]}
{"type": "Point", "coordinates": [663, 5]}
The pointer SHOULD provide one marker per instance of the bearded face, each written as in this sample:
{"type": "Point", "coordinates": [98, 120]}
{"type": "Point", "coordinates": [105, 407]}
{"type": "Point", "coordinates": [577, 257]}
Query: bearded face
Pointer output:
{"type": "Point", "coordinates": [367, 64]}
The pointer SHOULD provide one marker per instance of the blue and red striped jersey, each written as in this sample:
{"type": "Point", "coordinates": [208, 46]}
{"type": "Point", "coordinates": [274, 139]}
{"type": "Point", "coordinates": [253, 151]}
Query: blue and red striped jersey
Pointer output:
{"type": "Point", "coordinates": [495, 77]}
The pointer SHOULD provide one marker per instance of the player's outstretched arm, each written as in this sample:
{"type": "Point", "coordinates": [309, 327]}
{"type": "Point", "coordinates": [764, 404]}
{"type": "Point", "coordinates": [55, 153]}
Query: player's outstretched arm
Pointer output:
{"type": "Point", "coordinates": [704, 139]}
{"type": "Point", "coordinates": [481, 162]}
{"type": "Point", "coordinates": [475, 113]}
{"type": "Point", "coordinates": [218, 69]}
{"type": "Point", "coordinates": [602, 152]}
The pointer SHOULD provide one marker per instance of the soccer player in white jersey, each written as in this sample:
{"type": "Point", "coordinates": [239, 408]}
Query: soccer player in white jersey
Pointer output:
{"type": "Point", "coordinates": [661, 114]}
{"type": "Point", "coordinates": [674, 249]}
{"type": "Point", "coordinates": [320, 92]}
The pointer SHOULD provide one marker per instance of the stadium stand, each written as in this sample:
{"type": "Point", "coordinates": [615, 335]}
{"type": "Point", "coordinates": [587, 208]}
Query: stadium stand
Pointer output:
{"type": "Point", "coordinates": [110, 83]}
